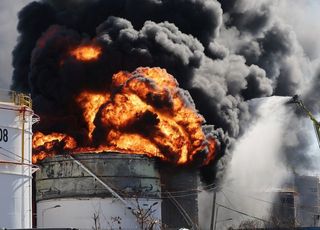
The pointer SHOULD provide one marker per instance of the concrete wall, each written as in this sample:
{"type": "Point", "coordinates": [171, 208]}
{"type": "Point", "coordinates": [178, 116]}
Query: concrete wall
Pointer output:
{"type": "Point", "coordinates": [182, 185]}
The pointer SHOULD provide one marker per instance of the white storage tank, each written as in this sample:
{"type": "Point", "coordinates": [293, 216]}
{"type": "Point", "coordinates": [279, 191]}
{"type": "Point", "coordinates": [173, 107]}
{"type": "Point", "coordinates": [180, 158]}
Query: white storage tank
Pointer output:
{"type": "Point", "coordinates": [69, 196]}
{"type": "Point", "coordinates": [16, 119]}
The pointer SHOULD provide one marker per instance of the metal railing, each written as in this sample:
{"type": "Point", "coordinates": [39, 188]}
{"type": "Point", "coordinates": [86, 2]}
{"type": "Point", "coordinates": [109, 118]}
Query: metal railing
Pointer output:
{"type": "Point", "coordinates": [15, 98]}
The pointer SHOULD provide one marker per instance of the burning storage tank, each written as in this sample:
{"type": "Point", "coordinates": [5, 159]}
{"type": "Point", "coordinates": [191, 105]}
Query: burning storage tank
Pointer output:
{"type": "Point", "coordinates": [145, 116]}
{"type": "Point", "coordinates": [16, 119]}
{"type": "Point", "coordinates": [143, 112]}
{"type": "Point", "coordinates": [110, 190]}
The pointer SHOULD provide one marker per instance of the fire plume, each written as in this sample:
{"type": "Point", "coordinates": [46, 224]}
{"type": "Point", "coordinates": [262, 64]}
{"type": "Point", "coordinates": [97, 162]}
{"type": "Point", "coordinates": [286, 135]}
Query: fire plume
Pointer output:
{"type": "Point", "coordinates": [86, 53]}
{"type": "Point", "coordinates": [143, 112]}
{"type": "Point", "coordinates": [91, 103]}
{"type": "Point", "coordinates": [47, 145]}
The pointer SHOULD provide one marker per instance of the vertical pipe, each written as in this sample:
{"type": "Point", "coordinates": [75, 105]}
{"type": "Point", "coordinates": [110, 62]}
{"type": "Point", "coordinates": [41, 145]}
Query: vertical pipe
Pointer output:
{"type": "Point", "coordinates": [29, 120]}
{"type": "Point", "coordinates": [215, 219]}
{"type": "Point", "coordinates": [22, 134]}
{"type": "Point", "coordinates": [213, 209]}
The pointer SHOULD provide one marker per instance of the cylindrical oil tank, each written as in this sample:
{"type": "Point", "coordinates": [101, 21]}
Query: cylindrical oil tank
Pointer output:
{"type": "Point", "coordinates": [16, 118]}
{"type": "Point", "coordinates": [68, 196]}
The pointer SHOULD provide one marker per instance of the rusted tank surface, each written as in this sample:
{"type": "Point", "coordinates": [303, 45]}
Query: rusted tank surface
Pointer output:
{"type": "Point", "coordinates": [68, 196]}
{"type": "Point", "coordinates": [128, 174]}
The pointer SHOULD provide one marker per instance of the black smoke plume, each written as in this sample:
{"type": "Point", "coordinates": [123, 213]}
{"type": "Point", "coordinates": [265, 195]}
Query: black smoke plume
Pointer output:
{"type": "Point", "coordinates": [255, 31]}
{"type": "Point", "coordinates": [223, 52]}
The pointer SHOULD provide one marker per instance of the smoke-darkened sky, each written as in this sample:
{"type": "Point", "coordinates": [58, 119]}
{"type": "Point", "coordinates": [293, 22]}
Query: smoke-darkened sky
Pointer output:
{"type": "Point", "coordinates": [224, 53]}
{"type": "Point", "coordinates": [302, 18]}
{"type": "Point", "coordinates": [8, 36]}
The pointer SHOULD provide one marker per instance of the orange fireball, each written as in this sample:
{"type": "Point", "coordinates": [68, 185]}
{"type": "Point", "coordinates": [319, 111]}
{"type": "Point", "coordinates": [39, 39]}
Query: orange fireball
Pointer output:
{"type": "Point", "coordinates": [91, 103]}
{"type": "Point", "coordinates": [86, 53]}
{"type": "Point", "coordinates": [48, 145]}
{"type": "Point", "coordinates": [143, 112]}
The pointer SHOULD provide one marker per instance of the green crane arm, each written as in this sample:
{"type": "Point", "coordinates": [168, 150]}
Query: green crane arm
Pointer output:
{"type": "Point", "coordinates": [317, 130]}
{"type": "Point", "coordinates": [316, 124]}
{"type": "Point", "coordinates": [309, 114]}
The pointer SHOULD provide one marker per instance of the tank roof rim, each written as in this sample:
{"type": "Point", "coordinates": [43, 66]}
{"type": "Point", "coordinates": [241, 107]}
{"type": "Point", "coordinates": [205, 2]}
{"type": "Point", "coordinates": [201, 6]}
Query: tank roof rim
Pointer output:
{"type": "Point", "coordinates": [100, 155]}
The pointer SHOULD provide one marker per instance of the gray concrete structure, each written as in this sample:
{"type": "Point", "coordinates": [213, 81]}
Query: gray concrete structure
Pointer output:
{"type": "Point", "coordinates": [308, 207]}
{"type": "Point", "coordinates": [180, 199]}
{"type": "Point", "coordinates": [284, 211]}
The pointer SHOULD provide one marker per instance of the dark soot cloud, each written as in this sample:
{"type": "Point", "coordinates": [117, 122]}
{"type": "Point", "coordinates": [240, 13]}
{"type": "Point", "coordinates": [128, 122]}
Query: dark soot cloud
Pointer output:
{"type": "Point", "coordinates": [183, 36]}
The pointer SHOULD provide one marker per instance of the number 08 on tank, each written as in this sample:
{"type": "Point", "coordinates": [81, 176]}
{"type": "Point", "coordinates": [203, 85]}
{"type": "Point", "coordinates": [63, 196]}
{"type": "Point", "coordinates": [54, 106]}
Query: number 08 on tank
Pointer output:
{"type": "Point", "coordinates": [16, 119]}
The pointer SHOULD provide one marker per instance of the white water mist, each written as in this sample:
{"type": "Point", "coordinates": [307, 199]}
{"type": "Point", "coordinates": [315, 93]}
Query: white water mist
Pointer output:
{"type": "Point", "coordinates": [256, 170]}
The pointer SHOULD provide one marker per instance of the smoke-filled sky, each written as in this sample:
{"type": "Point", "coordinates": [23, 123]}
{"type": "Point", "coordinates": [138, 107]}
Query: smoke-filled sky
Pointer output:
{"type": "Point", "coordinates": [8, 37]}
{"type": "Point", "coordinates": [224, 53]}
{"type": "Point", "coordinates": [302, 21]}
{"type": "Point", "coordinates": [303, 17]}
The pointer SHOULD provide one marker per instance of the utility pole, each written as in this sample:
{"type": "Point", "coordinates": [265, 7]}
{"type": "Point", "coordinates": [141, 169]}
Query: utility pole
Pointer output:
{"type": "Point", "coordinates": [213, 209]}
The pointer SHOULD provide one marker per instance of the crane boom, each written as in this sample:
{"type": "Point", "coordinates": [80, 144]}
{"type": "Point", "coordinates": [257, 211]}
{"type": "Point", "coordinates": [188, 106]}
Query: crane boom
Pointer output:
{"type": "Point", "coordinates": [295, 99]}
{"type": "Point", "coordinates": [317, 130]}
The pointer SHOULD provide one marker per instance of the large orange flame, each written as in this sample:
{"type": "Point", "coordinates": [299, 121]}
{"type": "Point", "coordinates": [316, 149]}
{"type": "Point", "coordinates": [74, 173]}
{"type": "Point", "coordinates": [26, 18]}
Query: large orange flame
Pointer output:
{"type": "Point", "coordinates": [146, 113]}
{"type": "Point", "coordinates": [86, 53]}
{"type": "Point", "coordinates": [91, 103]}
{"type": "Point", "coordinates": [47, 145]}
